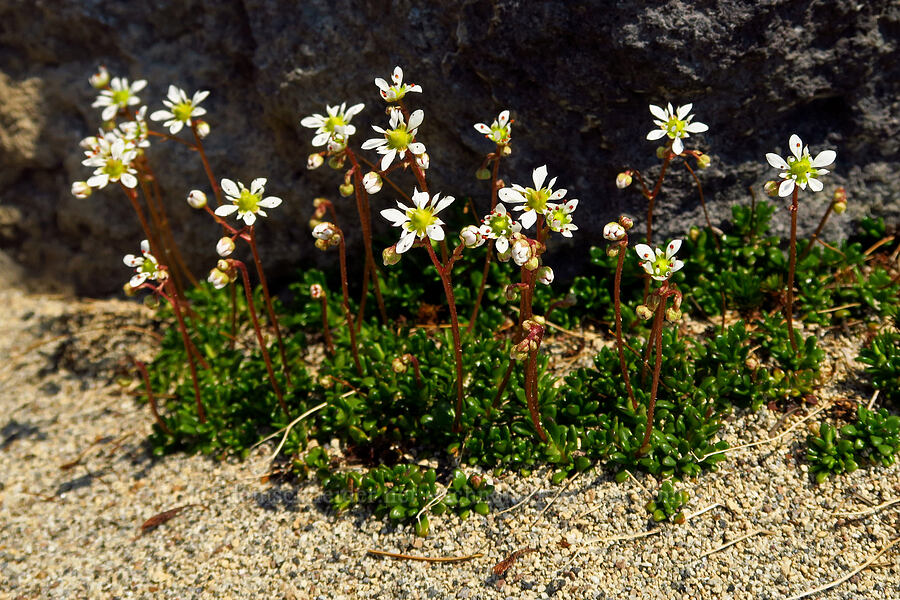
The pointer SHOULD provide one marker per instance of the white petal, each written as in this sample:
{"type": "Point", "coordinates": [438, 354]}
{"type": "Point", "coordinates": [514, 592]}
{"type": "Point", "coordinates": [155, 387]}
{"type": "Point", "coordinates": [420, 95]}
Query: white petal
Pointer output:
{"type": "Point", "coordinates": [672, 248]}
{"type": "Point", "coordinates": [696, 127]}
{"type": "Point", "coordinates": [226, 209]}
{"type": "Point", "coordinates": [676, 265]}
{"type": "Point", "coordinates": [824, 158]}
{"type": "Point", "coordinates": [815, 185]}
{"type": "Point", "coordinates": [677, 146]}
{"type": "Point", "coordinates": [656, 134]}
{"type": "Point", "coordinates": [249, 218]}
{"type": "Point", "coordinates": [175, 126]}
{"type": "Point", "coordinates": [128, 180]}
{"type": "Point", "coordinates": [511, 196]}
{"type": "Point", "coordinates": [444, 203]}
{"type": "Point", "coordinates": [528, 218]}
{"type": "Point", "coordinates": [230, 188]}
{"type": "Point", "coordinates": [312, 122]}
{"type": "Point", "coordinates": [199, 96]}
{"type": "Point", "coordinates": [776, 161]}
{"type": "Point", "coordinates": [796, 146]}
{"type": "Point", "coordinates": [382, 84]}
{"type": "Point", "coordinates": [503, 119]}
{"type": "Point", "coordinates": [435, 232]}
{"type": "Point", "coordinates": [397, 75]}
{"type": "Point", "coordinates": [658, 112]}
{"type": "Point", "coordinates": [270, 202]}
{"type": "Point", "coordinates": [557, 194]}
{"type": "Point", "coordinates": [138, 85]}
{"type": "Point", "coordinates": [786, 187]}
{"type": "Point", "coordinates": [395, 216]}
{"type": "Point", "coordinates": [406, 241]}
{"type": "Point", "coordinates": [571, 204]}
{"type": "Point", "coordinates": [109, 112]}
{"type": "Point", "coordinates": [258, 185]}
{"type": "Point", "coordinates": [353, 110]}
{"type": "Point", "coordinates": [388, 159]}
{"type": "Point", "coordinates": [373, 143]}
{"type": "Point", "coordinates": [137, 280]}
{"type": "Point", "coordinates": [538, 176]}
{"type": "Point", "coordinates": [417, 148]}
{"type": "Point", "coordinates": [161, 115]}
{"type": "Point", "coordinates": [416, 119]}
{"type": "Point", "coordinates": [420, 199]}
{"type": "Point", "coordinates": [98, 181]}
{"type": "Point", "coordinates": [321, 139]}
{"type": "Point", "coordinates": [644, 251]}
{"type": "Point", "coordinates": [684, 111]}
{"type": "Point", "coordinates": [133, 261]}
{"type": "Point", "coordinates": [414, 88]}
{"type": "Point", "coordinates": [482, 128]}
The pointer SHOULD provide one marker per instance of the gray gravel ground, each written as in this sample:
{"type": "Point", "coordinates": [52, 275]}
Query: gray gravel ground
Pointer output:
{"type": "Point", "coordinates": [70, 528]}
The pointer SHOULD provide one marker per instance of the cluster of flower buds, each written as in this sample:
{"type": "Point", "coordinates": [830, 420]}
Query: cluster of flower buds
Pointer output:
{"type": "Point", "coordinates": [223, 274]}
{"type": "Point", "coordinates": [321, 207]}
{"type": "Point", "coordinates": [534, 333]}
{"type": "Point", "coordinates": [617, 231]}
{"type": "Point", "coordinates": [840, 200]}
{"type": "Point", "coordinates": [327, 234]}
{"type": "Point", "coordinates": [524, 251]}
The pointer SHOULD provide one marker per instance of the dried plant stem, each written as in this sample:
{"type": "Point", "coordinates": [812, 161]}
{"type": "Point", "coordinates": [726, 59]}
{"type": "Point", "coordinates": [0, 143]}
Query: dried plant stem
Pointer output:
{"type": "Point", "coordinates": [844, 578]}
{"type": "Point", "coordinates": [792, 264]}
{"type": "Point", "coordinates": [176, 308]}
{"type": "Point", "coordinates": [454, 327]}
{"type": "Point", "coordinates": [656, 189]}
{"type": "Point", "coordinates": [617, 300]}
{"type": "Point", "coordinates": [248, 292]}
{"type": "Point", "coordinates": [151, 399]}
{"type": "Point", "coordinates": [442, 559]}
{"type": "Point", "coordinates": [345, 289]}
{"type": "Point", "coordinates": [251, 238]}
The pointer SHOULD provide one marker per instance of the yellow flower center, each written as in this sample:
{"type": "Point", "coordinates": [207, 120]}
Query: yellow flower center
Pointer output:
{"type": "Point", "coordinates": [420, 219]}
{"type": "Point", "coordinates": [182, 111]}
{"type": "Point", "coordinates": [114, 168]}
{"type": "Point", "coordinates": [248, 202]}
{"type": "Point", "coordinates": [399, 139]}
{"type": "Point", "coordinates": [537, 199]}
{"type": "Point", "coordinates": [121, 97]}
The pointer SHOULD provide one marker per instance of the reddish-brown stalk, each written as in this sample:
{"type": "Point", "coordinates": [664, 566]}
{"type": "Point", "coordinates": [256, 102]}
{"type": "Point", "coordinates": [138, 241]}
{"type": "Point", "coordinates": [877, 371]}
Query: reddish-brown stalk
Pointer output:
{"type": "Point", "coordinates": [326, 331]}
{"type": "Point", "coordinates": [172, 297]}
{"type": "Point", "coordinates": [345, 289]}
{"type": "Point", "coordinates": [251, 238]}
{"type": "Point", "coordinates": [198, 146]}
{"type": "Point", "coordinates": [617, 300]}
{"type": "Point", "coordinates": [655, 340]}
{"type": "Point", "coordinates": [703, 204]}
{"type": "Point", "coordinates": [815, 235]}
{"type": "Point", "coordinates": [151, 399]}
{"type": "Point", "coordinates": [248, 292]}
{"type": "Point", "coordinates": [454, 326]}
{"type": "Point", "coordinates": [792, 263]}
{"type": "Point", "coordinates": [489, 254]}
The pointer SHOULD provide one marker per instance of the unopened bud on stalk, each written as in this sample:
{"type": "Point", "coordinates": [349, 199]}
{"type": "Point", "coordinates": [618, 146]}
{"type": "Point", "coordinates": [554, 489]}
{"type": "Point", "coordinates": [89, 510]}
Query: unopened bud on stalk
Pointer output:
{"type": "Point", "coordinates": [345, 189]}
{"type": "Point", "coordinates": [504, 256]}
{"type": "Point", "coordinates": [613, 231]}
{"type": "Point", "coordinates": [626, 222]}
{"type": "Point", "coordinates": [545, 275]}
{"type": "Point", "coordinates": [661, 152]}
{"type": "Point", "coordinates": [771, 188]}
{"type": "Point", "coordinates": [703, 161]}
{"type": "Point", "coordinates": [372, 182]}
{"type": "Point", "coordinates": [840, 195]}
{"type": "Point", "coordinates": [533, 263]}
{"type": "Point", "coordinates": [512, 292]}
{"type": "Point", "coordinates": [80, 189]}
{"type": "Point", "coordinates": [326, 381]}
{"type": "Point", "coordinates": [225, 246]}
{"type": "Point", "coordinates": [623, 180]}
{"type": "Point", "coordinates": [196, 199]}
{"type": "Point", "coordinates": [643, 312]}
{"type": "Point", "coordinates": [222, 275]}
{"type": "Point", "coordinates": [314, 161]}
{"type": "Point", "coordinates": [693, 233]}
{"type": "Point", "coordinates": [398, 365]}
{"type": "Point", "coordinates": [316, 291]}
{"type": "Point", "coordinates": [129, 291]}
{"type": "Point", "coordinates": [673, 314]}
{"type": "Point", "coordinates": [423, 160]}
{"type": "Point", "coordinates": [471, 237]}
{"type": "Point", "coordinates": [100, 79]}
{"type": "Point", "coordinates": [482, 174]}
{"type": "Point", "coordinates": [390, 256]}
{"type": "Point", "coordinates": [336, 162]}
{"type": "Point", "coordinates": [506, 150]}
{"type": "Point", "coordinates": [202, 129]}
{"type": "Point", "coordinates": [521, 251]}
{"type": "Point", "coordinates": [612, 251]}
{"type": "Point", "coordinates": [840, 207]}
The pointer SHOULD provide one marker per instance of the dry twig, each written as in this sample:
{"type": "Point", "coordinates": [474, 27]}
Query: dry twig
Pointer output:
{"type": "Point", "coordinates": [841, 580]}
{"type": "Point", "coordinates": [735, 541]}
{"type": "Point", "coordinates": [438, 559]}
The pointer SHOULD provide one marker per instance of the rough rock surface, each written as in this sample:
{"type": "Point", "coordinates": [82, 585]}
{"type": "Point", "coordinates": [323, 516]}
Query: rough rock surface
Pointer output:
{"type": "Point", "coordinates": [577, 75]}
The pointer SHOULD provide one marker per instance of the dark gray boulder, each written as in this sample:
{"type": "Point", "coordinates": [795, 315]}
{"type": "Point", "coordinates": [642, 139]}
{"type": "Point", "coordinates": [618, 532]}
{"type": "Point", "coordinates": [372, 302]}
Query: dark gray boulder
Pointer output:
{"type": "Point", "coordinates": [578, 77]}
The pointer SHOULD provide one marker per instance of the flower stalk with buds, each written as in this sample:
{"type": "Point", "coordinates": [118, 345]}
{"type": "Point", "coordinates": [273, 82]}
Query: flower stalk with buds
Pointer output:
{"type": "Point", "coordinates": [617, 232]}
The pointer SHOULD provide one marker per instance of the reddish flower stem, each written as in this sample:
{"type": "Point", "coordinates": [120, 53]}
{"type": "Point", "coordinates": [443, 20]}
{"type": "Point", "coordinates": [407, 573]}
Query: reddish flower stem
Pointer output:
{"type": "Point", "coordinates": [657, 342]}
{"type": "Point", "coordinates": [617, 299]}
{"type": "Point", "coordinates": [345, 288]}
{"type": "Point", "coordinates": [151, 399]}
{"type": "Point", "coordinates": [248, 292]}
{"type": "Point", "coordinates": [703, 204]}
{"type": "Point", "coordinates": [329, 345]}
{"type": "Point", "coordinates": [489, 254]}
{"type": "Point", "coordinates": [251, 238]}
{"type": "Point", "coordinates": [217, 191]}
{"type": "Point", "coordinates": [792, 263]}
{"type": "Point", "coordinates": [365, 220]}
{"type": "Point", "coordinates": [176, 307]}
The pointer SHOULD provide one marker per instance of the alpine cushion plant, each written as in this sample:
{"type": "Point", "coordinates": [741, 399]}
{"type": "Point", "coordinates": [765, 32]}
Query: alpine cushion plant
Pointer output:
{"type": "Point", "coordinates": [798, 172]}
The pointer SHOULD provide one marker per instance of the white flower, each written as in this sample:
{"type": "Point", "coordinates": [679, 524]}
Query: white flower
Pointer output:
{"type": "Point", "coordinates": [120, 96]}
{"type": "Point", "coordinates": [181, 109]}
{"type": "Point", "coordinates": [393, 93]}
{"type": "Point", "coordinates": [521, 251]}
{"type": "Point", "coordinates": [136, 131]}
{"type": "Point", "coordinates": [81, 189]}
{"type": "Point", "coordinates": [196, 199]}
{"type": "Point", "coordinates": [545, 275]}
{"type": "Point", "coordinates": [499, 226]}
{"type": "Point", "coordinates": [247, 203]}
{"type": "Point", "coordinates": [559, 217]}
{"type": "Point", "coordinates": [471, 236]}
{"type": "Point", "coordinates": [113, 163]}
{"type": "Point", "coordinates": [336, 123]}
{"type": "Point", "coordinates": [613, 231]}
{"type": "Point", "coordinates": [146, 265]}
{"type": "Point", "coordinates": [100, 79]}
{"type": "Point", "coordinates": [674, 123]}
{"type": "Point", "coordinates": [800, 169]}
{"type": "Point", "coordinates": [419, 220]}
{"type": "Point", "coordinates": [225, 246]}
{"type": "Point", "coordinates": [372, 182]}
{"type": "Point", "coordinates": [325, 231]}
{"type": "Point", "coordinates": [533, 201]}
{"type": "Point", "coordinates": [399, 138]}
{"type": "Point", "coordinates": [500, 130]}
{"type": "Point", "coordinates": [658, 265]}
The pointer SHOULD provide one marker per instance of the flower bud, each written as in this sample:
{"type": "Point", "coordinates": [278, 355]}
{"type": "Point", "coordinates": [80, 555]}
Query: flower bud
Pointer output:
{"type": "Point", "coordinates": [390, 256]}
{"type": "Point", "coordinates": [504, 256]}
{"type": "Point", "coordinates": [336, 162]}
{"type": "Point", "coordinates": [626, 222]}
{"type": "Point", "coordinates": [225, 246]}
{"type": "Point", "coordinates": [643, 312]}
{"type": "Point", "coordinates": [100, 79]}
{"type": "Point", "coordinates": [372, 182]}
{"type": "Point", "coordinates": [703, 161]}
{"type": "Point", "coordinates": [751, 363]}
{"type": "Point", "coordinates": [316, 291]}
{"type": "Point", "coordinates": [196, 199]}
{"type": "Point", "coordinates": [612, 251]}
{"type": "Point", "coordinates": [521, 251]}
{"type": "Point", "coordinates": [129, 291]}
{"type": "Point", "coordinates": [317, 202]}
{"type": "Point", "coordinates": [345, 189]}
{"type": "Point", "coordinates": [512, 292]}
{"type": "Point", "coordinates": [314, 161]}
{"type": "Point", "coordinates": [398, 365]}
{"type": "Point", "coordinates": [613, 231]}
{"type": "Point", "coordinates": [506, 150]}
{"type": "Point", "coordinates": [840, 207]}
{"type": "Point", "coordinates": [202, 128]}
{"type": "Point", "coordinates": [771, 188]}
{"type": "Point", "coordinates": [326, 232]}
{"type": "Point", "coordinates": [80, 189]}
{"type": "Point", "coordinates": [336, 143]}
{"type": "Point", "coordinates": [326, 381]}
{"type": "Point", "coordinates": [423, 160]}
{"type": "Point", "coordinates": [90, 143]}
{"type": "Point", "coordinates": [661, 152]}
{"type": "Point", "coordinates": [545, 275]}
{"type": "Point", "coordinates": [218, 278]}
{"type": "Point", "coordinates": [532, 264]}
{"type": "Point", "coordinates": [840, 195]}
{"type": "Point", "coordinates": [321, 245]}
{"type": "Point", "coordinates": [623, 180]}
{"type": "Point", "coordinates": [694, 233]}
{"type": "Point", "coordinates": [471, 237]}
{"type": "Point", "coordinates": [483, 174]}
{"type": "Point", "coordinates": [673, 314]}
